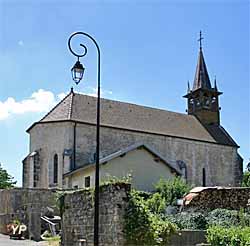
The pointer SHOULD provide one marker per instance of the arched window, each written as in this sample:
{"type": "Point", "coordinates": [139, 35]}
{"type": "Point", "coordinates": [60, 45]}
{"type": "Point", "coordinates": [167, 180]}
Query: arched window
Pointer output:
{"type": "Point", "coordinates": [55, 169]}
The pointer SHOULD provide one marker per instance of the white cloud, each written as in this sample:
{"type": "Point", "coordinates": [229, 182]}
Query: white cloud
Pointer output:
{"type": "Point", "coordinates": [20, 43]}
{"type": "Point", "coordinates": [61, 95]}
{"type": "Point", "coordinates": [40, 101]}
{"type": "Point", "coordinates": [92, 91]}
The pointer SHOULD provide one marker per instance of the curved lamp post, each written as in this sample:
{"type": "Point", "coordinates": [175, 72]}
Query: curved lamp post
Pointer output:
{"type": "Point", "coordinates": [77, 75]}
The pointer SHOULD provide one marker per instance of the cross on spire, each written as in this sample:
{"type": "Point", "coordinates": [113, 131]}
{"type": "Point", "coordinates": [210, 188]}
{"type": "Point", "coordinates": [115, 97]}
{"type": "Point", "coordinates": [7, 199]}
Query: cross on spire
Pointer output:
{"type": "Point", "coordinates": [200, 39]}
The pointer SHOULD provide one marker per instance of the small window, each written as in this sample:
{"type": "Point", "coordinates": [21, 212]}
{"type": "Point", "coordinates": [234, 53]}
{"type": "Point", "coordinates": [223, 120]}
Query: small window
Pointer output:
{"type": "Point", "coordinates": [87, 181]}
{"type": "Point", "coordinates": [55, 169]}
{"type": "Point", "coordinates": [204, 177]}
{"type": "Point", "coordinates": [75, 187]}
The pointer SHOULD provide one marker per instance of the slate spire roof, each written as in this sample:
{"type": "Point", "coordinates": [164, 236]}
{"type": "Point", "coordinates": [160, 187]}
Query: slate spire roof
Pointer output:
{"type": "Point", "coordinates": [201, 79]}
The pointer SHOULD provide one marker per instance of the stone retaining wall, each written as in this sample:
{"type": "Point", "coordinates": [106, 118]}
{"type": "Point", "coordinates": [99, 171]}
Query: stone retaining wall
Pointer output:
{"type": "Point", "coordinates": [78, 216]}
{"type": "Point", "coordinates": [27, 206]}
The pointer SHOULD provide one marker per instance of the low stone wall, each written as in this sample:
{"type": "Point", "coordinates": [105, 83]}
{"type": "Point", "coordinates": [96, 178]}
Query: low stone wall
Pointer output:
{"type": "Point", "coordinates": [78, 216]}
{"type": "Point", "coordinates": [27, 206]}
{"type": "Point", "coordinates": [209, 198]}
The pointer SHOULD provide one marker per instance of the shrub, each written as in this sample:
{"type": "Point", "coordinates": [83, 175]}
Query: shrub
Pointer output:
{"type": "Point", "coordinates": [193, 221]}
{"type": "Point", "coordinates": [223, 218]}
{"type": "Point", "coordinates": [156, 203]}
{"type": "Point", "coordinates": [234, 236]}
{"type": "Point", "coordinates": [142, 227]}
{"type": "Point", "coordinates": [172, 190]}
{"type": "Point", "coordinates": [227, 218]}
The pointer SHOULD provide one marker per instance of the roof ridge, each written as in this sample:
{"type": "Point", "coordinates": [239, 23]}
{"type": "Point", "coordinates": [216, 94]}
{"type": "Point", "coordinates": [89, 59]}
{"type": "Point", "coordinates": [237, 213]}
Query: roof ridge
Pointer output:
{"type": "Point", "coordinates": [71, 106]}
{"type": "Point", "coordinates": [57, 105]}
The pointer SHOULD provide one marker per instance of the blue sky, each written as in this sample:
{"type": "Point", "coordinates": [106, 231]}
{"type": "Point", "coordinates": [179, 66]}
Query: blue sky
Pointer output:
{"type": "Point", "coordinates": [149, 52]}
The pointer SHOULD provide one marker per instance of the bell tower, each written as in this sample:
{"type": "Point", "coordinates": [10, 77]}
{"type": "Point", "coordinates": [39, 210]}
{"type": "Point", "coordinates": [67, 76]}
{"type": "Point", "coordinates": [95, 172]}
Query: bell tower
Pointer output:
{"type": "Point", "coordinates": [203, 99]}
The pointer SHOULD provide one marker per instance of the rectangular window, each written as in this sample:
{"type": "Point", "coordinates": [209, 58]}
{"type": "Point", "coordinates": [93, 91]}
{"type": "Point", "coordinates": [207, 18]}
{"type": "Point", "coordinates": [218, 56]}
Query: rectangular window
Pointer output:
{"type": "Point", "coordinates": [204, 177]}
{"type": "Point", "coordinates": [87, 181]}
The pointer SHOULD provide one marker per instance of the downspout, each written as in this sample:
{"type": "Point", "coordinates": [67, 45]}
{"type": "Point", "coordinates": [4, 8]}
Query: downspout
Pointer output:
{"type": "Point", "coordinates": [74, 146]}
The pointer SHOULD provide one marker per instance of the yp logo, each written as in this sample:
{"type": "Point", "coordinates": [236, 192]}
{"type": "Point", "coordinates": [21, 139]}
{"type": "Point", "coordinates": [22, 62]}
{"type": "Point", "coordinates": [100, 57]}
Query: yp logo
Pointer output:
{"type": "Point", "coordinates": [18, 229]}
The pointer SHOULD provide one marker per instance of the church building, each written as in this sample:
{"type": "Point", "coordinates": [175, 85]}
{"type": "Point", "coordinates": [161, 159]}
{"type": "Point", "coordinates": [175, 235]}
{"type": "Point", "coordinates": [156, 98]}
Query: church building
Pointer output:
{"type": "Point", "coordinates": [148, 143]}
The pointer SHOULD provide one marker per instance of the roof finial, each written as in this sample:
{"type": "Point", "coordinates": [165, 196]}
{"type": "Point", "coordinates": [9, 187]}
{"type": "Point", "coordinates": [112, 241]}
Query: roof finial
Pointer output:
{"type": "Point", "coordinates": [200, 39]}
{"type": "Point", "coordinates": [72, 90]}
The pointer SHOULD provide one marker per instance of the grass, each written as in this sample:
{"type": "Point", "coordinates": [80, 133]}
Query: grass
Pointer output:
{"type": "Point", "coordinates": [53, 241]}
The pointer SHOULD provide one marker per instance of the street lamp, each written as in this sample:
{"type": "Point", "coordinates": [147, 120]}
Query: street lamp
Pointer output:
{"type": "Point", "coordinates": [77, 72]}
{"type": "Point", "coordinates": [77, 75]}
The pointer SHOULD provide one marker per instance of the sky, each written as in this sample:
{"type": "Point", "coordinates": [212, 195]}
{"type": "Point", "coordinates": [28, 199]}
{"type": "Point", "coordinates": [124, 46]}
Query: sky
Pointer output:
{"type": "Point", "coordinates": [149, 51]}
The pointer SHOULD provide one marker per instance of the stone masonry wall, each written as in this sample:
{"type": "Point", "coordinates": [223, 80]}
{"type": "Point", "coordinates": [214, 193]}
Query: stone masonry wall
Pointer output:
{"type": "Point", "coordinates": [78, 216]}
{"type": "Point", "coordinates": [51, 139]}
{"type": "Point", "coordinates": [27, 206]}
{"type": "Point", "coordinates": [220, 162]}
{"type": "Point", "coordinates": [201, 199]}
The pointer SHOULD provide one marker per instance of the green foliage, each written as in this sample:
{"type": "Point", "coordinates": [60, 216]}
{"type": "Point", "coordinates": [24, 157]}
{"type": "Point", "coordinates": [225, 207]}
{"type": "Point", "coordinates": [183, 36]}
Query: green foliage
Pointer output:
{"type": "Point", "coordinates": [60, 196]}
{"type": "Point", "coordinates": [244, 218]}
{"type": "Point", "coordinates": [219, 217]}
{"type": "Point", "coordinates": [172, 190]}
{"type": "Point", "coordinates": [143, 227]}
{"type": "Point", "coordinates": [246, 179]}
{"type": "Point", "coordinates": [223, 217]}
{"type": "Point", "coordinates": [16, 222]}
{"type": "Point", "coordinates": [116, 180]}
{"type": "Point", "coordinates": [192, 221]}
{"type": "Point", "coordinates": [233, 236]}
{"type": "Point", "coordinates": [226, 218]}
{"type": "Point", "coordinates": [6, 181]}
{"type": "Point", "coordinates": [156, 203]}
{"type": "Point", "coordinates": [145, 220]}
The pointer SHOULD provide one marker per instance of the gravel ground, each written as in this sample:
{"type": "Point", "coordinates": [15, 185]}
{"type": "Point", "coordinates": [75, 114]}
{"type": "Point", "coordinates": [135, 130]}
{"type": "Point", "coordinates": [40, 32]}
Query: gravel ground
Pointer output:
{"type": "Point", "coordinates": [6, 241]}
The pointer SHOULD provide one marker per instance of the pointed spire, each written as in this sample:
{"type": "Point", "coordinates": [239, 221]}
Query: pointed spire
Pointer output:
{"type": "Point", "coordinates": [215, 83]}
{"type": "Point", "coordinates": [188, 89]}
{"type": "Point", "coordinates": [201, 79]}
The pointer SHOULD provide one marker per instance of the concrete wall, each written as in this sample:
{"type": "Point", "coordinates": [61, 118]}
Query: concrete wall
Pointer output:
{"type": "Point", "coordinates": [27, 206]}
{"type": "Point", "coordinates": [188, 238]}
{"type": "Point", "coordinates": [141, 165]}
{"type": "Point", "coordinates": [77, 179]}
{"type": "Point", "coordinates": [78, 216]}
{"type": "Point", "coordinates": [145, 171]}
{"type": "Point", "coordinates": [221, 162]}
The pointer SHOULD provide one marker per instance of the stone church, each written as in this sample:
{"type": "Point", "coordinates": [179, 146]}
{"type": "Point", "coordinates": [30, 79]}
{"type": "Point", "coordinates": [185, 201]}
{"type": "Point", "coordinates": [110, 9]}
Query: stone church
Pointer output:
{"type": "Point", "coordinates": [148, 143]}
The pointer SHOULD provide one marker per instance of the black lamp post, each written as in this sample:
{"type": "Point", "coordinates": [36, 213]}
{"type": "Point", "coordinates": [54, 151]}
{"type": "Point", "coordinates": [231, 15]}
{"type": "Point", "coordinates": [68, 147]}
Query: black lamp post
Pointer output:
{"type": "Point", "coordinates": [77, 74]}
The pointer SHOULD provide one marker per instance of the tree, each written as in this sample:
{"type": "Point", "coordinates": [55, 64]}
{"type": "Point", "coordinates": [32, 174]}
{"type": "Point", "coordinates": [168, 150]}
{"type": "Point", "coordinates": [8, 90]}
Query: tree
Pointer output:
{"type": "Point", "coordinates": [246, 179]}
{"type": "Point", "coordinates": [6, 180]}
